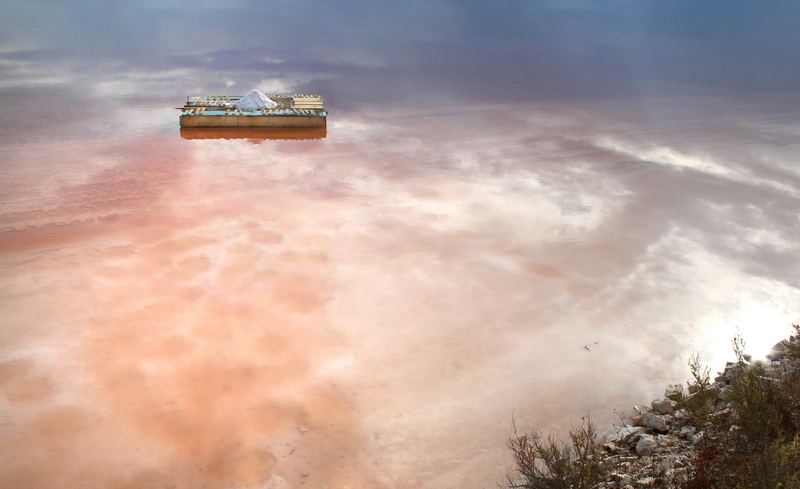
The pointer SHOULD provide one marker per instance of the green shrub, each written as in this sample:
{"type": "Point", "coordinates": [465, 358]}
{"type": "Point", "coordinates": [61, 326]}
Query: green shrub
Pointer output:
{"type": "Point", "coordinates": [777, 466]}
{"type": "Point", "coordinates": [763, 408]}
{"type": "Point", "coordinates": [757, 444]}
{"type": "Point", "coordinates": [699, 404]}
{"type": "Point", "coordinates": [792, 350]}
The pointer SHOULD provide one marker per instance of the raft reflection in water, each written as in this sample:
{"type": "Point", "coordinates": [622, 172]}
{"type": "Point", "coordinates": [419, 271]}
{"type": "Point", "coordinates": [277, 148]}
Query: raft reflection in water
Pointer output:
{"type": "Point", "coordinates": [254, 132]}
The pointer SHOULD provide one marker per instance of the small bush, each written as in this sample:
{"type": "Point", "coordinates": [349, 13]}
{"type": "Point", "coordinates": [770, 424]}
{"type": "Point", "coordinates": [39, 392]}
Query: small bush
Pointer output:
{"type": "Point", "coordinates": [763, 408]}
{"type": "Point", "coordinates": [793, 350]}
{"type": "Point", "coordinates": [553, 464]}
{"type": "Point", "coordinates": [700, 402]}
{"type": "Point", "coordinates": [701, 377]}
{"type": "Point", "coordinates": [777, 466]}
{"type": "Point", "coordinates": [757, 444]}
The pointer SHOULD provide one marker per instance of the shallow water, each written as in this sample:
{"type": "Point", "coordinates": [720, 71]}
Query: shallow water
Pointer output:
{"type": "Point", "coordinates": [472, 240]}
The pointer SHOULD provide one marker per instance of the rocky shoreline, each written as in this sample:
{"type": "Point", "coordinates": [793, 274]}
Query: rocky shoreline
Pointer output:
{"type": "Point", "coordinates": [658, 446]}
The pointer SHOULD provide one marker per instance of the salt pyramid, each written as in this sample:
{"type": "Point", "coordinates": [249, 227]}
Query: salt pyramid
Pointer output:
{"type": "Point", "coordinates": [254, 100]}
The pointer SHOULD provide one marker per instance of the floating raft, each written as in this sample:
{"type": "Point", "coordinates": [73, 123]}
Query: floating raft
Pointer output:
{"type": "Point", "coordinates": [216, 111]}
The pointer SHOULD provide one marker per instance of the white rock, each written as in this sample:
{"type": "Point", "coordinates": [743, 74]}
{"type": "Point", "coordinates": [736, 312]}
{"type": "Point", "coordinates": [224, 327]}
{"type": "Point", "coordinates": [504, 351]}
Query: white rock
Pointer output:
{"type": "Point", "coordinates": [679, 475]}
{"type": "Point", "coordinates": [673, 391]}
{"type": "Point", "coordinates": [663, 406]}
{"type": "Point", "coordinates": [645, 445]}
{"type": "Point", "coordinates": [725, 394]}
{"type": "Point", "coordinates": [622, 434]}
{"type": "Point", "coordinates": [732, 372]}
{"type": "Point", "coordinates": [686, 432]}
{"type": "Point", "coordinates": [711, 391]}
{"type": "Point", "coordinates": [655, 421]}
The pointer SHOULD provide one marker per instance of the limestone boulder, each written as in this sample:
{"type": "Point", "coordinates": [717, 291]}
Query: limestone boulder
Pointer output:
{"type": "Point", "coordinates": [663, 406]}
{"type": "Point", "coordinates": [674, 392]}
{"type": "Point", "coordinates": [622, 434]}
{"type": "Point", "coordinates": [645, 445]}
{"type": "Point", "coordinates": [655, 421]}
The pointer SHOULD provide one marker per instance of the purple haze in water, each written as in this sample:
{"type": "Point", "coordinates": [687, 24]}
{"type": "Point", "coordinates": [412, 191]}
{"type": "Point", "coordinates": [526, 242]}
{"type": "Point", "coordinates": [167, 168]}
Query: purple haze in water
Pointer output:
{"type": "Point", "coordinates": [518, 209]}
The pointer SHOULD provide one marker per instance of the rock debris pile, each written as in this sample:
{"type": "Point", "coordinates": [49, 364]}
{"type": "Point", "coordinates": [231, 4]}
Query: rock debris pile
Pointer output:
{"type": "Point", "coordinates": [657, 446]}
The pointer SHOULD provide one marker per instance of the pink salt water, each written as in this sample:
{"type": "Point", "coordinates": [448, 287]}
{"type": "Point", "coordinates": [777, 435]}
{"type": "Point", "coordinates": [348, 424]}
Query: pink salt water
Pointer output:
{"type": "Point", "coordinates": [519, 210]}
{"type": "Point", "coordinates": [368, 310]}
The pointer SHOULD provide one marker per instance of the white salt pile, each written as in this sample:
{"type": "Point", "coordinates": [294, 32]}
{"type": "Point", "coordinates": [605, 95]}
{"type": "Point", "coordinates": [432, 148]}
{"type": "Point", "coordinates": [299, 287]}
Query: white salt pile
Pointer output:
{"type": "Point", "coordinates": [254, 100]}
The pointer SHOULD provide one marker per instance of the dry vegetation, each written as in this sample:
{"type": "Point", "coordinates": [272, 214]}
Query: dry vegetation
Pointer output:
{"type": "Point", "coordinates": [554, 464]}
